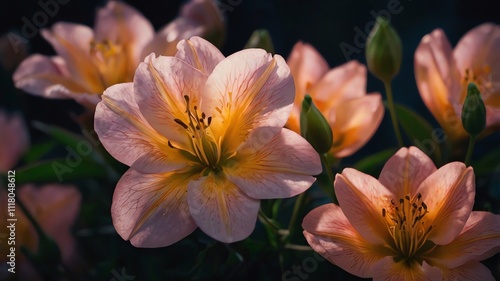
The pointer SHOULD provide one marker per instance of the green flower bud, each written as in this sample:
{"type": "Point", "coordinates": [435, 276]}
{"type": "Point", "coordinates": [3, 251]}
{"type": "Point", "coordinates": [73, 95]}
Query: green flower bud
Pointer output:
{"type": "Point", "coordinates": [314, 127]}
{"type": "Point", "coordinates": [473, 111]}
{"type": "Point", "coordinates": [383, 51]}
{"type": "Point", "coordinates": [261, 38]}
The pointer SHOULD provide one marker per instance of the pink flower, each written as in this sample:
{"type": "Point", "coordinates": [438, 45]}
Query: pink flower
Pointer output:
{"type": "Point", "coordinates": [55, 207]}
{"type": "Point", "coordinates": [340, 95]}
{"type": "Point", "coordinates": [414, 223]}
{"type": "Point", "coordinates": [443, 74]}
{"type": "Point", "coordinates": [204, 139]}
{"type": "Point", "coordinates": [89, 61]}
{"type": "Point", "coordinates": [14, 140]}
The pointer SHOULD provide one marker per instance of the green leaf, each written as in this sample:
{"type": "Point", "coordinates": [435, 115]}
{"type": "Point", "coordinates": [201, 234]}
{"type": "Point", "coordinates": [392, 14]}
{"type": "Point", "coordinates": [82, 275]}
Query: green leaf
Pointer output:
{"type": "Point", "coordinates": [420, 132]}
{"type": "Point", "coordinates": [59, 170]}
{"type": "Point", "coordinates": [373, 164]}
{"type": "Point", "coordinates": [37, 151]}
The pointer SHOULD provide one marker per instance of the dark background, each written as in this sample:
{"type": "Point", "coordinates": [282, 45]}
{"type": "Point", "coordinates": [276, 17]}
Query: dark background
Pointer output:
{"type": "Point", "coordinates": [324, 24]}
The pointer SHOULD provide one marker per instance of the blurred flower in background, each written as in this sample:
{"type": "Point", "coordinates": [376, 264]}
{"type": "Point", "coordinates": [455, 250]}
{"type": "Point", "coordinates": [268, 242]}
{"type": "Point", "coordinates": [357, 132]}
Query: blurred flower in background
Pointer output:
{"type": "Point", "coordinates": [443, 75]}
{"type": "Point", "coordinates": [204, 138]}
{"type": "Point", "coordinates": [340, 95]}
{"type": "Point", "coordinates": [88, 61]}
{"type": "Point", "coordinates": [55, 207]}
{"type": "Point", "coordinates": [414, 223]}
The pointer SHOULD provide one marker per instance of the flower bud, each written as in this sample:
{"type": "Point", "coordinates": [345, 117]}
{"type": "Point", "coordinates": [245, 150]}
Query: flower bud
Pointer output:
{"type": "Point", "coordinates": [473, 111]}
{"type": "Point", "coordinates": [261, 38]}
{"type": "Point", "coordinates": [383, 51]}
{"type": "Point", "coordinates": [314, 127]}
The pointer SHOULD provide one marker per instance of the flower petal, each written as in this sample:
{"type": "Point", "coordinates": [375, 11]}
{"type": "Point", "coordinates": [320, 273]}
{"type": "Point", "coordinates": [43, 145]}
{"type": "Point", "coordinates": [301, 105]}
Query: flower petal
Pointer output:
{"type": "Point", "coordinates": [221, 210]}
{"type": "Point", "coordinates": [471, 271]}
{"type": "Point", "coordinates": [344, 82]}
{"type": "Point", "coordinates": [47, 77]}
{"type": "Point", "coordinates": [437, 81]}
{"type": "Point", "coordinates": [280, 169]}
{"type": "Point", "coordinates": [14, 141]}
{"type": "Point", "coordinates": [72, 43]}
{"type": "Point", "coordinates": [387, 270]}
{"type": "Point", "coordinates": [362, 199]}
{"type": "Point", "coordinates": [251, 89]}
{"type": "Point", "coordinates": [329, 233]}
{"type": "Point", "coordinates": [405, 171]}
{"type": "Point", "coordinates": [127, 135]}
{"type": "Point", "coordinates": [120, 23]}
{"type": "Point", "coordinates": [199, 53]}
{"type": "Point", "coordinates": [480, 239]}
{"type": "Point", "coordinates": [354, 123]}
{"type": "Point", "coordinates": [477, 47]}
{"type": "Point", "coordinates": [449, 195]}
{"type": "Point", "coordinates": [151, 210]}
{"type": "Point", "coordinates": [160, 85]}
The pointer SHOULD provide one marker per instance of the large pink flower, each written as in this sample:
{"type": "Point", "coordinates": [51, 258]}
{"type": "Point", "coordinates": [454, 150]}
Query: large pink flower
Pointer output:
{"type": "Point", "coordinates": [204, 139]}
{"type": "Point", "coordinates": [443, 74]}
{"type": "Point", "coordinates": [340, 95]}
{"type": "Point", "coordinates": [89, 60]}
{"type": "Point", "coordinates": [414, 223]}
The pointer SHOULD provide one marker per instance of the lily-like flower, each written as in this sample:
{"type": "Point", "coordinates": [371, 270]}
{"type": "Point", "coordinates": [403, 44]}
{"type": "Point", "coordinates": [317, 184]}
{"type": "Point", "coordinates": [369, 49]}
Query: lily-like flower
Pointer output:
{"type": "Point", "coordinates": [88, 61]}
{"type": "Point", "coordinates": [204, 138]}
{"type": "Point", "coordinates": [55, 207]}
{"type": "Point", "coordinates": [14, 140]}
{"type": "Point", "coordinates": [414, 223]}
{"type": "Point", "coordinates": [339, 94]}
{"type": "Point", "coordinates": [443, 74]}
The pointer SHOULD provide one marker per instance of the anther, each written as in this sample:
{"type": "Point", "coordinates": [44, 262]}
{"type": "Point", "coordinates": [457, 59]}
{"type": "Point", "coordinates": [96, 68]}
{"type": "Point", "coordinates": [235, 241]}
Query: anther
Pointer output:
{"type": "Point", "coordinates": [383, 212]}
{"type": "Point", "coordinates": [178, 121]}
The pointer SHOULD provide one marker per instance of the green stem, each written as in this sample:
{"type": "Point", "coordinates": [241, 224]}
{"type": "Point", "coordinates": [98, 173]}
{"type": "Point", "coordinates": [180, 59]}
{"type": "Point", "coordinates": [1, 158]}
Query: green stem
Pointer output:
{"type": "Point", "coordinates": [331, 177]}
{"type": "Point", "coordinates": [295, 214]}
{"type": "Point", "coordinates": [392, 111]}
{"type": "Point", "coordinates": [470, 149]}
{"type": "Point", "coordinates": [265, 220]}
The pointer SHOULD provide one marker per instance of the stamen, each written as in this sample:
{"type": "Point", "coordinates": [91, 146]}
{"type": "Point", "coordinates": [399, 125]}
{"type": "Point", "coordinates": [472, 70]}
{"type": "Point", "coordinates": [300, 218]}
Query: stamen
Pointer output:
{"type": "Point", "coordinates": [178, 121]}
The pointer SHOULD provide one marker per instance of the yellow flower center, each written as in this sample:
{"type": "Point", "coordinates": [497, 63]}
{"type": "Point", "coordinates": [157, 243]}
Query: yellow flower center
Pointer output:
{"type": "Point", "coordinates": [204, 145]}
{"type": "Point", "coordinates": [408, 227]}
{"type": "Point", "coordinates": [111, 62]}
{"type": "Point", "coordinates": [482, 77]}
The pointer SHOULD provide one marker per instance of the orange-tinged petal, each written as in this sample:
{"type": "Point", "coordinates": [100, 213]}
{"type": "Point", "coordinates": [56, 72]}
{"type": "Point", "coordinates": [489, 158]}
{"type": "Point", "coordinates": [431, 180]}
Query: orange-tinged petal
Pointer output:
{"type": "Point", "coordinates": [345, 82]}
{"type": "Point", "coordinates": [200, 54]}
{"type": "Point", "coordinates": [354, 122]}
{"type": "Point", "coordinates": [437, 81]}
{"type": "Point", "coordinates": [221, 209]}
{"type": "Point", "coordinates": [471, 271]}
{"type": "Point", "coordinates": [152, 210]}
{"type": "Point", "coordinates": [362, 199]}
{"type": "Point", "coordinates": [449, 195]}
{"type": "Point", "coordinates": [160, 85]}
{"type": "Point", "coordinates": [72, 43]}
{"type": "Point", "coordinates": [479, 239]}
{"type": "Point", "coordinates": [124, 25]}
{"type": "Point", "coordinates": [478, 46]}
{"type": "Point", "coordinates": [47, 77]}
{"type": "Point", "coordinates": [127, 136]}
{"type": "Point", "coordinates": [280, 169]}
{"type": "Point", "coordinates": [388, 270]}
{"type": "Point", "coordinates": [405, 171]}
{"type": "Point", "coordinates": [329, 233]}
{"type": "Point", "coordinates": [248, 89]}
{"type": "Point", "coordinates": [14, 140]}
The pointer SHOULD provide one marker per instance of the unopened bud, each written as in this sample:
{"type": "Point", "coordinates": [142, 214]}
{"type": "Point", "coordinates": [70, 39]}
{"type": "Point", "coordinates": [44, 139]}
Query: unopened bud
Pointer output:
{"type": "Point", "coordinates": [383, 51]}
{"type": "Point", "coordinates": [314, 127]}
{"type": "Point", "coordinates": [261, 38]}
{"type": "Point", "coordinates": [473, 111]}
